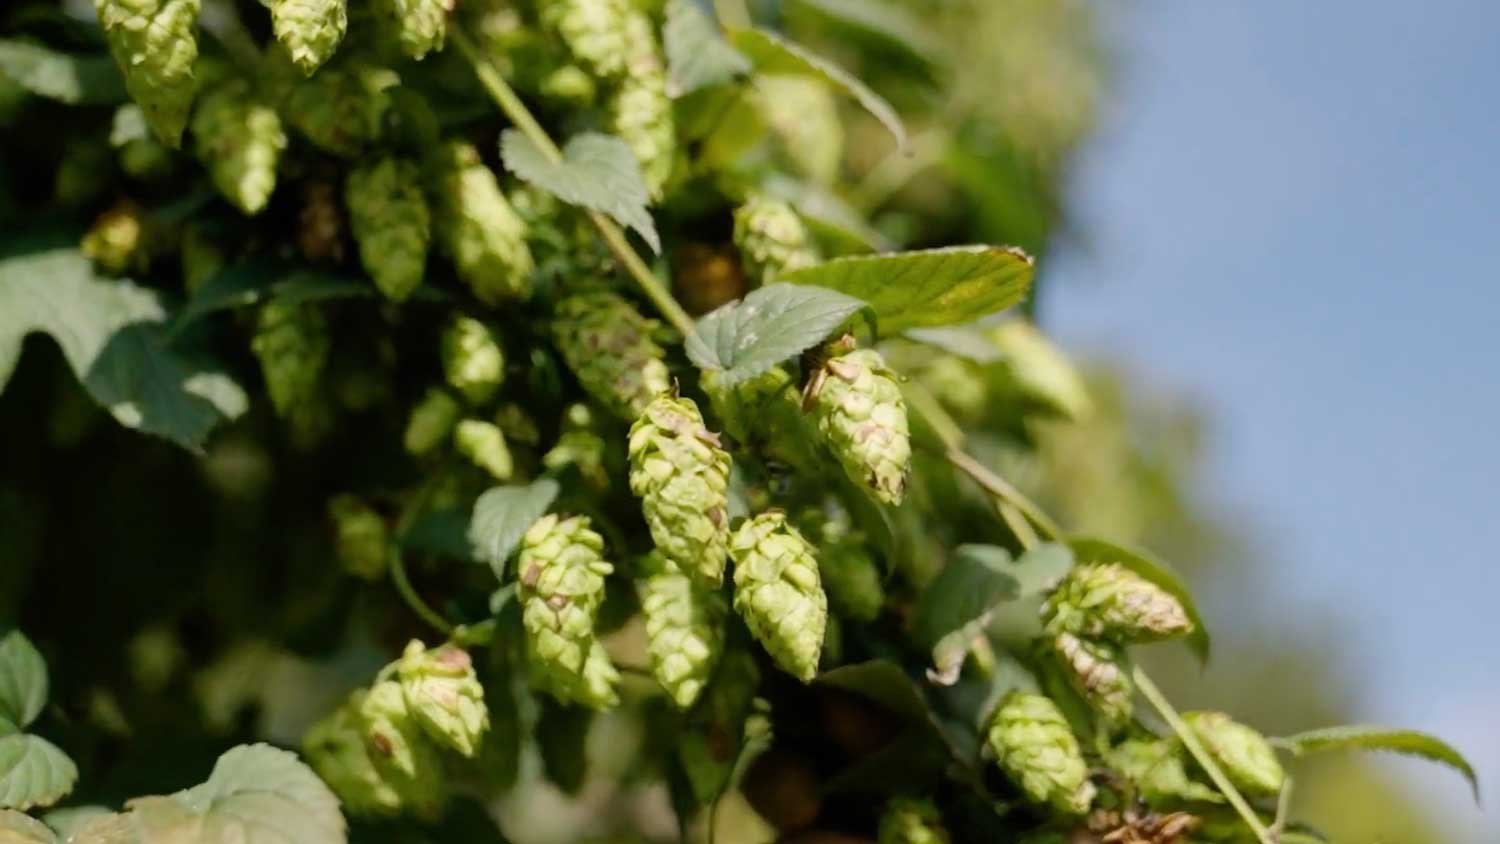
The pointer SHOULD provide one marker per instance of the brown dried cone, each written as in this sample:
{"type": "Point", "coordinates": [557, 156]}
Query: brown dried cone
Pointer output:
{"type": "Point", "coordinates": [321, 234]}
{"type": "Point", "coordinates": [706, 276]}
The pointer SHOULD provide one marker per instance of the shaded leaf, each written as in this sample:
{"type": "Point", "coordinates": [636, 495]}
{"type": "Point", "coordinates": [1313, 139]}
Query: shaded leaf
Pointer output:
{"type": "Point", "coordinates": [251, 282]}
{"type": "Point", "coordinates": [955, 607]}
{"type": "Point", "coordinates": [597, 171]}
{"type": "Point", "coordinates": [880, 681]}
{"type": "Point", "coordinates": [697, 54]}
{"type": "Point", "coordinates": [76, 80]}
{"type": "Point", "coordinates": [930, 287]}
{"type": "Point", "coordinates": [502, 516]}
{"type": "Point", "coordinates": [965, 341]}
{"type": "Point", "coordinates": [33, 772]}
{"type": "Point", "coordinates": [1092, 550]}
{"type": "Point", "coordinates": [561, 734]}
{"type": "Point", "coordinates": [17, 828]}
{"type": "Point", "coordinates": [1039, 569]}
{"type": "Point", "coordinates": [23, 681]}
{"type": "Point", "coordinates": [891, 24]}
{"type": "Point", "coordinates": [773, 323]}
{"type": "Point", "coordinates": [442, 532]}
{"type": "Point", "coordinates": [1388, 739]}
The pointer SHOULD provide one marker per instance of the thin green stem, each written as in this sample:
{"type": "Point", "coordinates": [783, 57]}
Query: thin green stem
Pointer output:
{"type": "Point", "coordinates": [1283, 809]}
{"type": "Point", "coordinates": [413, 600]}
{"type": "Point", "coordinates": [1195, 747]}
{"type": "Point", "coordinates": [1002, 489]}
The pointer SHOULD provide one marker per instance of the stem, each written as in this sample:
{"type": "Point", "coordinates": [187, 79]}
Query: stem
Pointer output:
{"type": "Point", "coordinates": [1283, 809]}
{"type": "Point", "coordinates": [413, 600]}
{"type": "Point", "coordinates": [1195, 747]}
{"type": "Point", "coordinates": [1001, 489]}
{"type": "Point", "coordinates": [510, 103]}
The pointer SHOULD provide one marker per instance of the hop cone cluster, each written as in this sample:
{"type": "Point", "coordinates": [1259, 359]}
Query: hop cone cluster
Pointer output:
{"type": "Point", "coordinates": [430, 422]}
{"type": "Point", "coordinates": [342, 110]}
{"type": "Point", "coordinates": [861, 415]}
{"type": "Point", "coordinates": [1112, 602]}
{"type": "Point", "coordinates": [594, 31]}
{"type": "Point", "coordinates": [291, 341]}
{"type": "Point", "coordinates": [908, 820]}
{"type": "Point", "coordinates": [640, 110]}
{"type": "Point", "coordinates": [710, 745]}
{"type": "Point", "coordinates": [473, 362]}
{"type": "Point", "coordinates": [771, 239]}
{"type": "Point", "coordinates": [444, 695]}
{"type": "Point", "coordinates": [778, 593]}
{"type": "Point", "coordinates": [480, 231]}
{"type": "Point", "coordinates": [1096, 670]}
{"type": "Point", "coordinates": [240, 141]}
{"type": "Point", "coordinates": [684, 627]}
{"type": "Point", "coordinates": [310, 30]}
{"type": "Point", "coordinates": [681, 474]}
{"type": "Point", "coordinates": [1156, 768]}
{"type": "Point", "coordinates": [608, 345]}
{"type": "Point", "coordinates": [335, 748]}
{"type": "Point", "coordinates": [420, 25]}
{"type": "Point", "coordinates": [484, 444]}
{"type": "Point", "coordinates": [361, 537]}
{"type": "Point", "coordinates": [390, 221]}
{"type": "Point", "coordinates": [155, 43]}
{"type": "Point", "coordinates": [562, 573]}
{"type": "Point", "coordinates": [1034, 746]}
{"type": "Point", "coordinates": [1244, 754]}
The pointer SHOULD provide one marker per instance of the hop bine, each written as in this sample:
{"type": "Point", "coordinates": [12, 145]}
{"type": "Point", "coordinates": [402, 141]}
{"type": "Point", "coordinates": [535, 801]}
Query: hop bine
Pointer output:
{"type": "Point", "coordinates": [608, 345]}
{"type": "Point", "coordinates": [1244, 754]}
{"type": "Point", "coordinates": [778, 593]}
{"type": "Point", "coordinates": [1034, 746]}
{"type": "Point", "coordinates": [444, 695]}
{"type": "Point", "coordinates": [771, 239]}
{"type": "Point", "coordinates": [391, 224]}
{"type": "Point", "coordinates": [681, 474]}
{"type": "Point", "coordinates": [562, 573]}
{"type": "Point", "coordinates": [400, 751]}
{"type": "Point", "coordinates": [861, 416]}
{"type": "Point", "coordinates": [310, 30]}
{"type": "Point", "coordinates": [1097, 671]}
{"type": "Point", "coordinates": [1109, 601]}
{"type": "Point", "coordinates": [908, 820]}
{"type": "Point", "coordinates": [240, 140]}
{"type": "Point", "coordinates": [155, 44]}
{"type": "Point", "coordinates": [684, 627]}
{"type": "Point", "coordinates": [478, 228]}
{"type": "Point", "coordinates": [335, 748]}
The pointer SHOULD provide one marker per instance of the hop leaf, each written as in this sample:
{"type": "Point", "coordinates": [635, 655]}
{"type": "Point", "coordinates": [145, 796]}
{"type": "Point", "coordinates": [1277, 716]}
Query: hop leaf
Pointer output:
{"type": "Point", "coordinates": [472, 359]}
{"type": "Point", "coordinates": [478, 228]}
{"type": "Point", "coordinates": [861, 415]}
{"type": "Point", "coordinates": [444, 695]}
{"type": "Point", "coordinates": [361, 537]}
{"type": "Point", "coordinates": [155, 43]}
{"type": "Point", "coordinates": [1035, 748]}
{"type": "Point", "coordinates": [335, 748]}
{"type": "Point", "coordinates": [594, 31]}
{"type": "Point", "coordinates": [430, 422]}
{"type": "Point", "coordinates": [1096, 670]}
{"type": "Point", "coordinates": [908, 820]}
{"type": "Point", "coordinates": [390, 221]}
{"type": "Point", "coordinates": [400, 751]}
{"type": "Point", "coordinates": [681, 474]}
{"type": "Point", "coordinates": [608, 345]}
{"type": "Point", "coordinates": [684, 627]}
{"type": "Point", "coordinates": [291, 341]}
{"type": "Point", "coordinates": [1157, 770]}
{"type": "Point", "coordinates": [1110, 601]}
{"type": "Point", "coordinates": [240, 141]}
{"type": "Point", "coordinates": [309, 29]}
{"type": "Point", "coordinates": [342, 110]}
{"type": "Point", "coordinates": [711, 743]}
{"type": "Point", "coordinates": [640, 110]}
{"type": "Point", "coordinates": [771, 239]}
{"type": "Point", "coordinates": [484, 444]}
{"type": "Point", "coordinates": [421, 25]}
{"type": "Point", "coordinates": [562, 574]}
{"type": "Point", "coordinates": [778, 593]}
{"type": "Point", "coordinates": [1244, 754]}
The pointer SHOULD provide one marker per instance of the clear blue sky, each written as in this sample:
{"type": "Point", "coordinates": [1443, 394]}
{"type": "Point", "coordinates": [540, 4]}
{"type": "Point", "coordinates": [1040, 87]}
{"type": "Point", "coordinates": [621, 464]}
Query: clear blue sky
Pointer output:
{"type": "Point", "coordinates": [1293, 213]}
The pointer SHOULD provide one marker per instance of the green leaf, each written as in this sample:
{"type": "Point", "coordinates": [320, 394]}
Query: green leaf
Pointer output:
{"type": "Point", "coordinates": [33, 772]}
{"type": "Point", "coordinates": [948, 286]}
{"type": "Point", "coordinates": [773, 323]}
{"type": "Point", "coordinates": [67, 821]}
{"type": "Point", "coordinates": [1388, 739]}
{"type": "Point", "coordinates": [76, 80]}
{"type": "Point", "coordinates": [880, 681]}
{"type": "Point", "coordinates": [112, 334]}
{"type": "Point", "coordinates": [891, 24]}
{"type": "Point", "coordinates": [561, 735]}
{"type": "Point", "coordinates": [23, 681]}
{"type": "Point", "coordinates": [1091, 550]}
{"type": "Point", "coordinates": [965, 341]}
{"type": "Point", "coordinates": [697, 54]}
{"type": "Point", "coordinates": [442, 532]}
{"type": "Point", "coordinates": [256, 280]}
{"type": "Point", "coordinates": [597, 171]}
{"type": "Point", "coordinates": [502, 516]}
{"type": "Point", "coordinates": [1040, 568]}
{"type": "Point", "coordinates": [773, 54]}
{"type": "Point", "coordinates": [973, 583]}
{"type": "Point", "coordinates": [17, 828]}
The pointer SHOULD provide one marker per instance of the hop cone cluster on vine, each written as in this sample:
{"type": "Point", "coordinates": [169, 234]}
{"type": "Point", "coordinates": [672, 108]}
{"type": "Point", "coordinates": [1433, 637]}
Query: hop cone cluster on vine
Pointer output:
{"type": "Point", "coordinates": [778, 592]}
{"type": "Point", "coordinates": [561, 577]}
{"type": "Point", "coordinates": [861, 415]}
{"type": "Point", "coordinates": [1111, 602]}
{"type": "Point", "coordinates": [1036, 748]}
{"type": "Point", "coordinates": [609, 347]}
{"type": "Point", "coordinates": [684, 627]}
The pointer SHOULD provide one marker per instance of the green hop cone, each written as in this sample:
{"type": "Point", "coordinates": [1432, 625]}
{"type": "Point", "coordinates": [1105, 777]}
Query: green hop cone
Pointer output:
{"type": "Point", "coordinates": [155, 44]}
{"type": "Point", "coordinates": [1035, 747]}
{"type": "Point", "coordinates": [478, 228]}
{"type": "Point", "coordinates": [562, 573]}
{"type": "Point", "coordinates": [291, 341]}
{"type": "Point", "coordinates": [764, 415]}
{"type": "Point", "coordinates": [861, 416]}
{"type": "Point", "coordinates": [400, 750]}
{"type": "Point", "coordinates": [342, 109]}
{"type": "Point", "coordinates": [771, 238]}
{"type": "Point", "coordinates": [909, 820]}
{"type": "Point", "coordinates": [1246, 757]}
{"type": "Point", "coordinates": [640, 110]}
{"type": "Point", "coordinates": [310, 30]}
{"type": "Point", "coordinates": [444, 696]}
{"type": "Point", "coordinates": [240, 140]}
{"type": "Point", "coordinates": [1157, 770]}
{"type": "Point", "coordinates": [431, 420]}
{"type": "Point", "coordinates": [335, 748]}
{"type": "Point", "coordinates": [594, 31]}
{"type": "Point", "coordinates": [608, 345]}
{"type": "Point", "coordinates": [473, 362]}
{"type": "Point", "coordinates": [484, 444]}
{"type": "Point", "coordinates": [119, 241]}
{"type": "Point", "coordinates": [709, 746]}
{"type": "Point", "coordinates": [1097, 671]}
{"type": "Point", "coordinates": [1109, 601]}
{"type": "Point", "coordinates": [778, 593]}
{"type": "Point", "coordinates": [420, 25]}
{"type": "Point", "coordinates": [361, 537]}
{"type": "Point", "coordinates": [850, 576]}
{"type": "Point", "coordinates": [389, 217]}
{"type": "Point", "coordinates": [684, 627]}
{"type": "Point", "coordinates": [580, 445]}
{"type": "Point", "coordinates": [681, 474]}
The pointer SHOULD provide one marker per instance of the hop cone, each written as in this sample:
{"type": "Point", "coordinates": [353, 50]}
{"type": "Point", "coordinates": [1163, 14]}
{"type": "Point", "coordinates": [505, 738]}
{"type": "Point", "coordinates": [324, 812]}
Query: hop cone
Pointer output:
{"type": "Point", "coordinates": [861, 415]}
{"type": "Point", "coordinates": [640, 110]}
{"type": "Point", "coordinates": [684, 627]}
{"type": "Point", "coordinates": [335, 748]}
{"type": "Point", "coordinates": [1036, 749]}
{"type": "Point", "coordinates": [155, 43]}
{"type": "Point", "coordinates": [771, 239]}
{"type": "Point", "coordinates": [764, 416]}
{"type": "Point", "coordinates": [310, 30]}
{"type": "Point", "coordinates": [484, 444]}
{"type": "Point", "coordinates": [390, 221]}
{"type": "Point", "coordinates": [240, 141]}
{"type": "Point", "coordinates": [1156, 769]}
{"type": "Point", "coordinates": [291, 341]}
{"type": "Point", "coordinates": [1097, 671]}
{"type": "Point", "coordinates": [709, 746]}
{"type": "Point", "coordinates": [908, 820]}
{"type": "Point", "coordinates": [430, 422]}
{"type": "Point", "coordinates": [850, 576]}
{"type": "Point", "coordinates": [562, 575]}
{"type": "Point", "coordinates": [342, 110]}
{"type": "Point", "coordinates": [1110, 601]}
{"type": "Point", "coordinates": [681, 474]}
{"type": "Point", "coordinates": [118, 242]}
{"type": "Point", "coordinates": [608, 345]}
{"type": "Point", "coordinates": [472, 360]}
{"type": "Point", "coordinates": [361, 537]}
{"type": "Point", "coordinates": [1244, 754]}
{"type": "Point", "coordinates": [777, 592]}
{"type": "Point", "coordinates": [580, 445]}
{"type": "Point", "coordinates": [420, 25]}
{"type": "Point", "coordinates": [400, 751]}
{"type": "Point", "coordinates": [594, 31]}
{"type": "Point", "coordinates": [478, 228]}
{"type": "Point", "coordinates": [444, 695]}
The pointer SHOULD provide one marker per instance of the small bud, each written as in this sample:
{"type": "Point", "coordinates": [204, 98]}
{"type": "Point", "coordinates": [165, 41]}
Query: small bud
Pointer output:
{"type": "Point", "coordinates": [908, 820]}
{"type": "Point", "coordinates": [1244, 754]}
{"type": "Point", "coordinates": [431, 421]}
{"type": "Point", "coordinates": [561, 573]}
{"type": "Point", "coordinates": [400, 751]}
{"type": "Point", "coordinates": [778, 592]}
{"type": "Point", "coordinates": [771, 239]}
{"type": "Point", "coordinates": [681, 474]}
{"type": "Point", "coordinates": [444, 695]}
{"type": "Point", "coordinates": [684, 627]}
{"type": "Point", "coordinates": [484, 444]}
{"type": "Point", "coordinates": [155, 45]}
{"type": "Point", "coordinates": [391, 223]}
{"type": "Point", "coordinates": [473, 362]}
{"type": "Point", "coordinates": [608, 345]}
{"type": "Point", "coordinates": [1035, 747]}
{"type": "Point", "coordinates": [1097, 671]}
{"type": "Point", "coordinates": [335, 748]}
{"type": "Point", "coordinates": [362, 537]}
{"type": "Point", "coordinates": [861, 415]}
{"type": "Point", "coordinates": [1109, 601]}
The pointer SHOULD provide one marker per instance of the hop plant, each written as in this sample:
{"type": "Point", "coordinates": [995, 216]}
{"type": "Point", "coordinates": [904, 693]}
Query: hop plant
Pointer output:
{"type": "Point", "coordinates": [473, 362]}
{"type": "Point", "coordinates": [771, 239]}
{"type": "Point", "coordinates": [484, 444]}
{"type": "Point", "coordinates": [399, 749]}
{"type": "Point", "coordinates": [640, 110]}
{"type": "Point", "coordinates": [608, 345]}
{"type": "Point", "coordinates": [389, 217]}
{"type": "Point", "coordinates": [595, 32]}
{"type": "Point", "coordinates": [908, 820]}
{"type": "Point", "coordinates": [335, 748]}
{"type": "Point", "coordinates": [684, 627]}
{"type": "Point", "coordinates": [310, 30]}
{"type": "Point", "coordinates": [861, 415]}
{"type": "Point", "coordinates": [778, 593]}
{"type": "Point", "coordinates": [562, 573]}
{"type": "Point", "coordinates": [1096, 670]}
{"type": "Point", "coordinates": [430, 422]}
{"type": "Point", "coordinates": [292, 343]}
{"type": "Point", "coordinates": [444, 696]}
{"type": "Point", "coordinates": [478, 228]}
{"type": "Point", "coordinates": [1156, 768]}
{"type": "Point", "coordinates": [1110, 601]}
{"type": "Point", "coordinates": [1035, 747]}
{"type": "Point", "coordinates": [708, 748]}
{"type": "Point", "coordinates": [240, 140]}
{"type": "Point", "coordinates": [681, 474]}
{"type": "Point", "coordinates": [361, 537]}
{"type": "Point", "coordinates": [420, 25]}
{"type": "Point", "coordinates": [155, 44]}
{"type": "Point", "coordinates": [342, 110]}
{"type": "Point", "coordinates": [1246, 757]}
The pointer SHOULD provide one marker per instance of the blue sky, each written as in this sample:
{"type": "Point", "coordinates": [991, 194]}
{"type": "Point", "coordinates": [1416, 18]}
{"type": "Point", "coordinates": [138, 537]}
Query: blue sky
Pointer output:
{"type": "Point", "coordinates": [1293, 214]}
